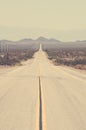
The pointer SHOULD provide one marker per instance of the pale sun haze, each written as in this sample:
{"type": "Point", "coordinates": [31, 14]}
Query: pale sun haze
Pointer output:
{"type": "Point", "coordinates": [60, 19]}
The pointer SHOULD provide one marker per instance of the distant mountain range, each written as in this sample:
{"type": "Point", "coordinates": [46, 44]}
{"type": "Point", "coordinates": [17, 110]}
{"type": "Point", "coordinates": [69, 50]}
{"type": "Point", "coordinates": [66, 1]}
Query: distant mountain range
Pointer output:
{"type": "Point", "coordinates": [52, 43]}
{"type": "Point", "coordinates": [40, 39]}
{"type": "Point", "coordinates": [43, 39]}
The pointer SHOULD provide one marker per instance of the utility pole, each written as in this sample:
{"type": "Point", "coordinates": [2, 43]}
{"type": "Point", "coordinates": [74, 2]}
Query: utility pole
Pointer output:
{"type": "Point", "coordinates": [7, 54]}
{"type": "Point", "coordinates": [0, 49]}
{"type": "Point", "coordinates": [1, 52]}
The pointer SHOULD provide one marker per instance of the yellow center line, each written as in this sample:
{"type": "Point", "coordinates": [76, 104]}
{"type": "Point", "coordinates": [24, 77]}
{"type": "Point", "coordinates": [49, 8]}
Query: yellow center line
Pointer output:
{"type": "Point", "coordinates": [37, 126]}
{"type": "Point", "coordinates": [43, 112]}
{"type": "Point", "coordinates": [37, 114]}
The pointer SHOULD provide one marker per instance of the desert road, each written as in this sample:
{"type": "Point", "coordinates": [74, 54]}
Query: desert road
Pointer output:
{"type": "Point", "coordinates": [41, 96]}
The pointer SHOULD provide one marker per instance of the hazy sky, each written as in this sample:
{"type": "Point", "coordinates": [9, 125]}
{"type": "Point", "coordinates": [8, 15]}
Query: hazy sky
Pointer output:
{"type": "Point", "coordinates": [61, 19]}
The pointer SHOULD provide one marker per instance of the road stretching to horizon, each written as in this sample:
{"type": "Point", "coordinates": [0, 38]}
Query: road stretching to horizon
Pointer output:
{"type": "Point", "coordinates": [41, 96]}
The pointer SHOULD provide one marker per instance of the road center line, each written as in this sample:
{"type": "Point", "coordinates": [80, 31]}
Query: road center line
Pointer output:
{"type": "Point", "coordinates": [40, 109]}
{"type": "Point", "coordinates": [42, 115]}
{"type": "Point", "coordinates": [40, 106]}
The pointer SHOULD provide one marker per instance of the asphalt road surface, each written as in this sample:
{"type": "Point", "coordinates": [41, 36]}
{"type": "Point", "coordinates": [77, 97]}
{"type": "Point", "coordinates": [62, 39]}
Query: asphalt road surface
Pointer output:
{"type": "Point", "coordinates": [41, 96]}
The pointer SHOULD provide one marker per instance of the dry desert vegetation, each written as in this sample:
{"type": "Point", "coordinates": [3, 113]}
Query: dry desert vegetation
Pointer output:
{"type": "Point", "coordinates": [68, 56]}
